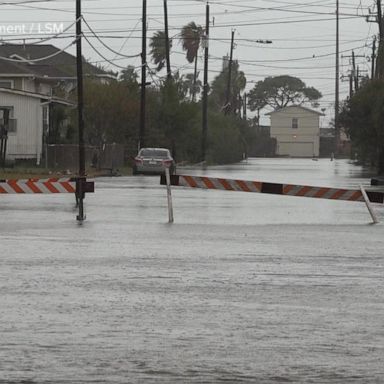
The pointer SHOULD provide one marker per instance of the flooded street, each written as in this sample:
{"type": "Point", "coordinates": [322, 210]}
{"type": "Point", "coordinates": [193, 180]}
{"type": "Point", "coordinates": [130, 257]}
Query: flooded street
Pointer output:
{"type": "Point", "coordinates": [242, 288]}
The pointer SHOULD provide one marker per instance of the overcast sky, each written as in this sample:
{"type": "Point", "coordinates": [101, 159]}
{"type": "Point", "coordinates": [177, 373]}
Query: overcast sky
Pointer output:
{"type": "Point", "coordinates": [302, 34]}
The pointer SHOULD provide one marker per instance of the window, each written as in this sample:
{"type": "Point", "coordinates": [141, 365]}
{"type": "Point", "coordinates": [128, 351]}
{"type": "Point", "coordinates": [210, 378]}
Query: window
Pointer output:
{"type": "Point", "coordinates": [7, 113]}
{"type": "Point", "coordinates": [295, 123]}
{"type": "Point", "coordinates": [6, 84]}
{"type": "Point", "coordinates": [155, 153]}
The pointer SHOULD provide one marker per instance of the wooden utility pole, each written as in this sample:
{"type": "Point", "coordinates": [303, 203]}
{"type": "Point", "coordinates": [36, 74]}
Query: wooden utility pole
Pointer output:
{"type": "Point", "coordinates": [167, 49]}
{"type": "Point", "coordinates": [245, 106]}
{"type": "Point", "coordinates": [205, 89]}
{"type": "Point", "coordinates": [337, 128]}
{"type": "Point", "coordinates": [373, 58]}
{"type": "Point", "coordinates": [380, 19]}
{"type": "Point", "coordinates": [4, 135]}
{"type": "Point", "coordinates": [143, 76]}
{"type": "Point", "coordinates": [80, 113]}
{"type": "Point", "coordinates": [379, 63]}
{"type": "Point", "coordinates": [377, 60]}
{"type": "Point", "coordinates": [354, 72]}
{"type": "Point", "coordinates": [227, 107]}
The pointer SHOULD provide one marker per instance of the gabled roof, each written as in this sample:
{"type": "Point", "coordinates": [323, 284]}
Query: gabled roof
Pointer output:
{"type": "Point", "coordinates": [35, 95]}
{"type": "Point", "coordinates": [62, 65]}
{"type": "Point", "coordinates": [295, 106]}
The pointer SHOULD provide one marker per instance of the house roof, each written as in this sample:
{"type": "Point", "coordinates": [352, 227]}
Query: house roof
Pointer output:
{"type": "Point", "coordinates": [62, 65]}
{"type": "Point", "coordinates": [295, 106]}
{"type": "Point", "coordinates": [35, 95]}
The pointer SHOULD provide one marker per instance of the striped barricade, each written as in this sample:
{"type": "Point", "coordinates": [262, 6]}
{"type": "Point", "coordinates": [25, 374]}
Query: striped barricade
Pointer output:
{"type": "Point", "coordinates": [51, 185]}
{"type": "Point", "coordinates": [273, 188]}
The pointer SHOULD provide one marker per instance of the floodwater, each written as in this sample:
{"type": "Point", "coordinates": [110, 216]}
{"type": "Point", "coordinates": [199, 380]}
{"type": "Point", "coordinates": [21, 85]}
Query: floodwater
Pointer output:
{"type": "Point", "coordinates": [242, 288]}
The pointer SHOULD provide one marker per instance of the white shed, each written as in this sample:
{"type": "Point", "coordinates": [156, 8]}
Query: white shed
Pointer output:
{"type": "Point", "coordinates": [296, 130]}
{"type": "Point", "coordinates": [28, 114]}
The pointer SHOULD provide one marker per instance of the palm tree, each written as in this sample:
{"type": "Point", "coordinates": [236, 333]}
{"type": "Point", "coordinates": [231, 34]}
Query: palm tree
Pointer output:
{"type": "Point", "coordinates": [158, 51]}
{"type": "Point", "coordinates": [191, 36]}
{"type": "Point", "coordinates": [192, 84]}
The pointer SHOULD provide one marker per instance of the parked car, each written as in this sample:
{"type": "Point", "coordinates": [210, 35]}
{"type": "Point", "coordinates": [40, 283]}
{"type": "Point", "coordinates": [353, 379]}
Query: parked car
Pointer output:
{"type": "Point", "coordinates": [153, 160]}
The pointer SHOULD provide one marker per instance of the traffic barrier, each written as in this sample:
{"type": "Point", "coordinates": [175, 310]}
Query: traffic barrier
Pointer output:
{"type": "Point", "coordinates": [76, 185]}
{"type": "Point", "coordinates": [272, 188]}
{"type": "Point", "coordinates": [51, 185]}
{"type": "Point", "coordinates": [358, 195]}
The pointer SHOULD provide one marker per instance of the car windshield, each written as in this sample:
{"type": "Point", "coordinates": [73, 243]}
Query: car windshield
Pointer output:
{"type": "Point", "coordinates": [155, 153]}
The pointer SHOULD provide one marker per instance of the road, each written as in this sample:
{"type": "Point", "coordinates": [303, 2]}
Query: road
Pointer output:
{"type": "Point", "coordinates": [242, 288]}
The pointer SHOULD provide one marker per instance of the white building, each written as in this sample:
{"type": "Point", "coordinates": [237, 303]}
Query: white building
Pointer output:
{"type": "Point", "coordinates": [28, 122]}
{"type": "Point", "coordinates": [30, 77]}
{"type": "Point", "coordinates": [296, 130]}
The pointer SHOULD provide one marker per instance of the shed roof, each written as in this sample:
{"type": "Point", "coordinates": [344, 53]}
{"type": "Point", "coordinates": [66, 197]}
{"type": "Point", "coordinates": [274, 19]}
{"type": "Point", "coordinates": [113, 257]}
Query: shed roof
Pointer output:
{"type": "Point", "coordinates": [295, 106]}
{"type": "Point", "coordinates": [35, 95]}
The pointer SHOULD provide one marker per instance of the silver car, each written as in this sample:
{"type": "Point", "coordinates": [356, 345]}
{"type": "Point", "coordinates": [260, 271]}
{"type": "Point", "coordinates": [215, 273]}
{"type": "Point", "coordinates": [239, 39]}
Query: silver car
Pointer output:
{"type": "Point", "coordinates": [153, 160]}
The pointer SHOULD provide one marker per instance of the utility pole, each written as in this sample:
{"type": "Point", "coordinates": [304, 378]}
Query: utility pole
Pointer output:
{"type": "Point", "coordinates": [373, 58]}
{"type": "Point", "coordinates": [245, 106]}
{"type": "Point", "coordinates": [380, 19]}
{"type": "Point", "coordinates": [80, 112]}
{"type": "Point", "coordinates": [167, 55]}
{"type": "Point", "coordinates": [337, 128]}
{"type": "Point", "coordinates": [378, 71]}
{"type": "Point", "coordinates": [4, 135]}
{"type": "Point", "coordinates": [205, 88]}
{"type": "Point", "coordinates": [143, 76]}
{"type": "Point", "coordinates": [355, 72]}
{"type": "Point", "coordinates": [379, 64]}
{"type": "Point", "coordinates": [227, 107]}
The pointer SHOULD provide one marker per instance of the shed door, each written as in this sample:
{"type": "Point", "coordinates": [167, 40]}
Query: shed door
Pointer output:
{"type": "Point", "coordinates": [296, 149]}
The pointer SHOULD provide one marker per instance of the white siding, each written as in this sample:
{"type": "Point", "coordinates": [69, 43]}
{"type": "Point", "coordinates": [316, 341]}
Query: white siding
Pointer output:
{"type": "Point", "coordinates": [29, 85]}
{"type": "Point", "coordinates": [26, 143]}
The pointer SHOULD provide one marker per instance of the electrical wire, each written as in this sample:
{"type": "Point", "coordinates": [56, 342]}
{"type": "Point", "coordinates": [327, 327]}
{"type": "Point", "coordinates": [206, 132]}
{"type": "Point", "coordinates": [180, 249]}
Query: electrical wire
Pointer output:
{"type": "Point", "coordinates": [40, 58]}
{"type": "Point", "coordinates": [106, 46]}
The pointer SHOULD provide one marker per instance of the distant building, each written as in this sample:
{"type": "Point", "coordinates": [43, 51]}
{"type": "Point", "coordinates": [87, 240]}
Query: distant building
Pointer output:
{"type": "Point", "coordinates": [296, 130]}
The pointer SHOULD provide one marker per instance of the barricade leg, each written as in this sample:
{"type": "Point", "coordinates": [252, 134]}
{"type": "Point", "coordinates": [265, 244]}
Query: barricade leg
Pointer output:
{"type": "Point", "coordinates": [169, 196]}
{"type": "Point", "coordinates": [369, 206]}
{"type": "Point", "coordinates": [80, 194]}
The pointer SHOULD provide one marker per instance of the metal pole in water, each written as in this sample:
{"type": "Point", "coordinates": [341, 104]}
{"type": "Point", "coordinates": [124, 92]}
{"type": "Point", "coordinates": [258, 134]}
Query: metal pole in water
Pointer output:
{"type": "Point", "coordinates": [80, 105]}
{"type": "Point", "coordinates": [169, 195]}
{"type": "Point", "coordinates": [369, 206]}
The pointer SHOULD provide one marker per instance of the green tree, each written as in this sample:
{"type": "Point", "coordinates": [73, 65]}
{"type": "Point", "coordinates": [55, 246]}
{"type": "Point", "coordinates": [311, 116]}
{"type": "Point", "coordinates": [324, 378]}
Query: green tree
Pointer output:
{"type": "Point", "coordinates": [281, 91]}
{"type": "Point", "coordinates": [257, 100]}
{"type": "Point", "coordinates": [110, 111]}
{"type": "Point", "coordinates": [129, 75]}
{"type": "Point", "coordinates": [193, 85]}
{"type": "Point", "coordinates": [158, 49]}
{"type": "Point", "coordinates": [191, 36]}
{"type": "Point", "coordinates": [219, 88]}
{"type": "Point", "coordinates": [362, 116]}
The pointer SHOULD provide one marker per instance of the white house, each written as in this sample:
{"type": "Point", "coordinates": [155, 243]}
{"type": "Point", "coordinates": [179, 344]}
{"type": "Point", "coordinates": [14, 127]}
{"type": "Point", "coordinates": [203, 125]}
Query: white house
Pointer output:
{"type": "Point", "coordinates": [28, 114]}
{"type": "Point", "coordinates": [30, 77]}
{"type": "Point", "coordinates": [296, 130]}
